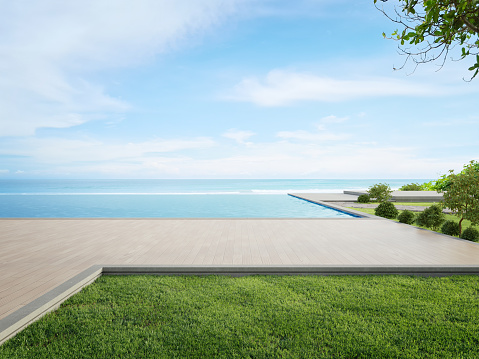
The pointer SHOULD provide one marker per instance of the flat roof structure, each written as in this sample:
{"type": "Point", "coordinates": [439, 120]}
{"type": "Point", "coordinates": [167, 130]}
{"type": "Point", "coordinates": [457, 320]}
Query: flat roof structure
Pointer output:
{"type": "Point", "coordinates": [405, 196]}
{"type": "Point", "coordinates": [38, 255]}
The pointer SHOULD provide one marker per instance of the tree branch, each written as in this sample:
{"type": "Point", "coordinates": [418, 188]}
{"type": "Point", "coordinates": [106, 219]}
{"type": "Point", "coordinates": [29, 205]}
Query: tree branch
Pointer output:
{"type": "Point", "coordinates": [469, 25]}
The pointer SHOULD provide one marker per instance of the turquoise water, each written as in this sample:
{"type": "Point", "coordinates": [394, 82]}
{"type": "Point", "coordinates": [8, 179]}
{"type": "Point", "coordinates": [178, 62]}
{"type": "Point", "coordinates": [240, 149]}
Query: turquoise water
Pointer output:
{"type": "Point", "coordinates": [170, 198]}
{"type": "Point", "coordinates": [162, 206]}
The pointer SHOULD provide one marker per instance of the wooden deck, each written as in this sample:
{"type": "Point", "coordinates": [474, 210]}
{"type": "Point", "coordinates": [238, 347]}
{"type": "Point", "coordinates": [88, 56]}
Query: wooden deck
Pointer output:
{"type": "Point", "coordinates": [36, 255]}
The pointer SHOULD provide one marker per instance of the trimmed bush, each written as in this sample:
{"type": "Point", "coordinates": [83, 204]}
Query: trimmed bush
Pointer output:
{"type": "Point", "coordinates": [407, 217]}
{"type": "Point", "coordinates": [411, 187]}
{"type": "Point", "coordinates": [364, 198]}
{"type": "Point", "coordinates": [381, 192]}
{"type": "Point", "coordinates": [450, 228]}
{"type": "Point", "coordinates": [471, 234]}
{"type": "Point", "coordinates": [432, 217]}
{"type": "Point", "coordinates": [386, 210]}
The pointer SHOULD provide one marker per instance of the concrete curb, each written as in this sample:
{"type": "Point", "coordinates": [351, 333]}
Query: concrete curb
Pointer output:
{"type": "Point", "coordinates": [20, 319]}
{"type": "Point", "coordinates": [292, 270]}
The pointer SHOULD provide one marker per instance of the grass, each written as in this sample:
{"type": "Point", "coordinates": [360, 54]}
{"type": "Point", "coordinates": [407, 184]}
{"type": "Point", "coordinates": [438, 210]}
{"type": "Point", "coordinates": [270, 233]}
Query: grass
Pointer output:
{"type": "Point", "coordinates": [448, 217]}
{"type": "Point", "coordinates": [423, 204]}
{"type": "Point", "coordinates": [260, 317]}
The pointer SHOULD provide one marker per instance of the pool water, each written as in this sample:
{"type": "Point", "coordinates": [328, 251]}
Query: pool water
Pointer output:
{"type": "Point", "coordinates": [161, 206]}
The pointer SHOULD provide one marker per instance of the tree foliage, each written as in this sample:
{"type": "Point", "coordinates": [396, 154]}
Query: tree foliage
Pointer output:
{"type": "Point", "coordinates": [439, 185]}
{"type": "Point", "coordinates": [381, 192]}
{"type": "Point", "coordinates": [445, 181]}
{"type": "Point", "coordinates": [431, 28]}
{"type": "Point", "coordinates": [431, 217]}
{"type": "Point", "coordinates": [462, 195]}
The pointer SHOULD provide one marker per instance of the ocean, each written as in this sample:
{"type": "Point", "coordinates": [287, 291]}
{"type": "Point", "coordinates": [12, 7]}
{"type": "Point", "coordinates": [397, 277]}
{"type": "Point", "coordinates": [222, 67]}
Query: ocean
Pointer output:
{"type": "Point", "coordinates": [172, 198]}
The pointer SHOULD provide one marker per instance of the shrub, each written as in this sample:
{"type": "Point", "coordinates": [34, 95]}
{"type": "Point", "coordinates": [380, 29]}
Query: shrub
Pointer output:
{"type": "Point", "coordinates": [407, 217]}
{"type": "Point", "coordinates": [471, 234]}
{"type": "Point", "coordinates": [381, 192]}
{"type": "Point", "coordinates": [451, 228]}
{"type": "Point", "coordinates": [364, 198]}
{"type": "Point", "coordinates": [411, 187]}
{"type": "Point", "coordinates": [386, 210]}
{"type": "Point", "coordinates": [432, 217]}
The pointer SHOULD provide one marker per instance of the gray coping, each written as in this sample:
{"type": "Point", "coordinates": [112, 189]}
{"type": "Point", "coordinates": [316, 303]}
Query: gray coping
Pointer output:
{"type": "Point", "coordinates": [20, 319]}
{"type": "Point", "coordinates": [311, 197]}
{"type": "Point", "coordinates": [328, 197]}
{"type": "Point", "coordinates": [430, 270]}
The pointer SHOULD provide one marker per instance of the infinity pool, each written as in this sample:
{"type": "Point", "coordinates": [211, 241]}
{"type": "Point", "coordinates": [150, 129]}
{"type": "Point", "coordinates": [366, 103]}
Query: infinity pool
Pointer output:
{"type": "Point", "coordinates": [161, 206]}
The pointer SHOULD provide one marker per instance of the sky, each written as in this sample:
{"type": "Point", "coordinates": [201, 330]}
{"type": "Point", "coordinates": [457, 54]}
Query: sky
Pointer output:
{"type": "Point", "coordinates": [224, 89]}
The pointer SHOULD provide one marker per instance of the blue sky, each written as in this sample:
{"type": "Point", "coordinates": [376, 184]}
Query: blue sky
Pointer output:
{"type": "Point", "coordinates": [223, 89]}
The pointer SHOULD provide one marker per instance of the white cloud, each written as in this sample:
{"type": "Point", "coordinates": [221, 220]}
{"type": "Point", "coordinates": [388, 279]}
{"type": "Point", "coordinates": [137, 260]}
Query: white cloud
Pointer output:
{"type": "Point", "coordinates": [99, 33]}
{"type": "Point", "coordinates": [181, 158]}
{"type": "Point", "coordinates": [333, 119]}
{"type": "Point", "coordinates": [453, 122]}
{"type": "Point", "coordinates": [48, 102]}
{"type": "Point", "coordinates": [312, 136]}
{"type": "Point", "coordinates": [296, 160]}
{"type": "Point", "coordinates": [240, 137]}
{"type": "Point", "coordinates": [57, 151]}
{"type": "Point", "coordinates": [48, 49]}
{"type": "Point", "coordinates": [2, 172]}
{"type": "Point", "coordinates": [283, 87]}
{"type": "Point", "coordinates": [321, 134]}
{"type": "Point", "coordinates": [287, 160]}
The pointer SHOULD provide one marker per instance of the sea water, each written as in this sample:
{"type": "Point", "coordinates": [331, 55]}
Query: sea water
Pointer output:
{"type": "Point", "coordinates": [172, 198]}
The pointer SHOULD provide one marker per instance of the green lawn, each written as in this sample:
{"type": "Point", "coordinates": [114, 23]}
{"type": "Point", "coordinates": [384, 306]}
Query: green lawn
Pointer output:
{"type": "Point", "coordinates": [260, 317]}
{"type": "Point", "coordinates": [424, 204]}
{"type": "Point", "coordinates": [449, 217]}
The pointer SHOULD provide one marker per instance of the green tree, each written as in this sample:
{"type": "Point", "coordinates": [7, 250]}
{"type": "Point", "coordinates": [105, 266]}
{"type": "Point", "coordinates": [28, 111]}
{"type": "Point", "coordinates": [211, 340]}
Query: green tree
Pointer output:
{"type": "Point", "coordinates": [381, 192]}
{"type": "Point", "coordinates": [439, 185]}
{"type": "Point", "coordinates": [462, 195]}
{"type": "Point", "coordinates": [431, 28]}
{"type": "Point", "coordinates": [443, 182]}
